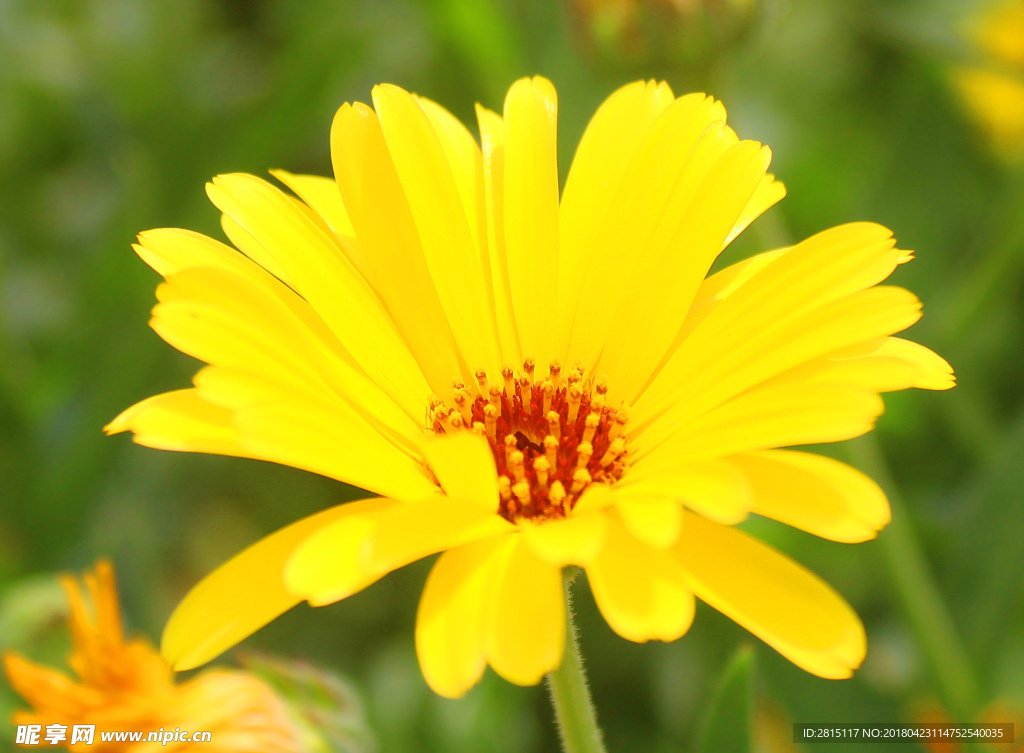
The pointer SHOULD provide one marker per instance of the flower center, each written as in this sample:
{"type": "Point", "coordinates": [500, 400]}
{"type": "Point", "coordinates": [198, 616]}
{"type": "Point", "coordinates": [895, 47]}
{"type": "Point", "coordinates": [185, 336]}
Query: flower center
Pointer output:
{"type": "Point", "coordinates": [551, 439]}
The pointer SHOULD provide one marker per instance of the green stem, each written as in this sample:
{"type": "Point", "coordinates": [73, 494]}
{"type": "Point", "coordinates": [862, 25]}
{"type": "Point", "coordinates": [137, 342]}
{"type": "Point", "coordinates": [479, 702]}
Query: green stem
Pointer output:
{"type": "Point", "coordinates": [922, 601]}
{"type": "Point", "coordinates": [570, 694]}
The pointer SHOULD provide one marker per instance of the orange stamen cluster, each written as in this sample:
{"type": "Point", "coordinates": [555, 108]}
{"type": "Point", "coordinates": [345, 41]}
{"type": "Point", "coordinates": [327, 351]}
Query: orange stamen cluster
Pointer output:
{"type": "Point", "coordinates": [551, 438]}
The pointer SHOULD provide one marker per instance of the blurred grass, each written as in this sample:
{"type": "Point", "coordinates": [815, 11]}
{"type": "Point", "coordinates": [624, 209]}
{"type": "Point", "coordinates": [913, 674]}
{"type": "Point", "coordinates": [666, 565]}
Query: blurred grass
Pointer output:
{"type": "Point", "coordinates": [113, 113]}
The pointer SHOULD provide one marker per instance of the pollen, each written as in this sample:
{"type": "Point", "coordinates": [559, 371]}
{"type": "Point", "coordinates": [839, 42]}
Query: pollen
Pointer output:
{"type": "Point", "coordinates": [551, 437]}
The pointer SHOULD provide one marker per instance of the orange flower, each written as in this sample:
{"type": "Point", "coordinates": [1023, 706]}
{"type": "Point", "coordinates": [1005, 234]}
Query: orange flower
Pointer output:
{"type": "Point", "coordinates": [126, 686]}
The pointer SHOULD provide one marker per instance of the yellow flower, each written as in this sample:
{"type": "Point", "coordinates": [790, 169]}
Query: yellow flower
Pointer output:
{"type": "Point", "coordinates": [126, 686]}
{"type": "Point", "coordinates": [365, 333]}
{"type": "Point", "coordinates": [994, 92]}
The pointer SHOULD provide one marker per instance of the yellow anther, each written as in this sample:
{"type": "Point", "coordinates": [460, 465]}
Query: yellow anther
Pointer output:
{"type": "Point", "coordinates": [554, 426]}
{"type": "Point", "coordinates": [456, 421]}
{"type": "Point", "coordinates": [481, 381]}
{"type": "Point", "coordinates": [586, 451]}
{"type": "Point", "coordinates": [548, 391]}
{"type": "Point", "coordinates": [541, 468]}
{"type": "Point", "coordinates": [557, 494]}
{"type": "Point", "coordinates": [579, 480]}
{"type": "Point", "coordinates": [615, 449]}
{"type": "Point", "coordinates": [504, 488]}
{"type": "Point", "coordinates": [597, 403]}
{"type": "Point", "coordinates": [590, 427]}
{"type": "Point", "coordinates": [494, 397]}
{"type": "Point", "coordinates": [464, 406]}
{"type": "Point", "coordinates": [510, 447]}
{"type": "Point", "coordinates": [618, 425]}
{"type": "Point", "coordinates": [573, 396]}
{"type": "Point", "coordinates": [551, 450]}
{"type": "Point", "coordinates": [478, 428]}
{"type": "Point", "coordinates": [510, 384]}
{"type": "Point", "coordinates": [555, 372]}
{"type": "Point", "coordinates": [516, 465]}
{"type": "Point", "coordinates": [522, 492]}
{"type": "Point", "coordinates": [528, 367]}
{"type": "Point", "coordinates": [491, 422]}
{"type": "Point", "coordinates": [601, 386]}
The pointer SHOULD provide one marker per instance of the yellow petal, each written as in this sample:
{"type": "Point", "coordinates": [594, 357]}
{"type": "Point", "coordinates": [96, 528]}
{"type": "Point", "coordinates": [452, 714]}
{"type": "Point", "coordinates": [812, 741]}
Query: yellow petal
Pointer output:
{"type": "Point", "coordinates": [450, 621]}
{"type": "Point", "coordinates": [464, 466]}
{"type": "Point", "coordinates": [655, 522]}
{"type": "Point", "coordinates": [787, 607]}
{"type": "Point", "coordinates": [640, 590]}
{"type": "Point", "coordinates": [326, 438]}
{"type": "Point", "coordinates": [815, 494]}
{"type": "Point", "coordinates": [525, 621]}
{"type": "Point", "coordinates": [648, 204]}
{"type": "Point", "coordinates": [768, 193]}
{"type": "Point", "coordinates": [492, 139]}
{"type": "Point", "coordinates": [714, 488]}
{"type": "Point", "coordinates": [767, 418]}
{"type": "Point", "coordinates": [380, 213]}
{"type": "Point", "coordinates": [749, 352]}
{"type": "Point", "coordinates": [327, 279]}
{"type": "Point", "coordinates": [573, 541]}
{"type": "Point", "coordinates": [657, 293]}
{"type": "Point", "coordinates": [791, 310]}
{"type": "Point", "coordinates": [170, 250]}
{"type": "Point", "coordinates": [418, 529]}
{"type": "Point", "coordinates": [243, 595]}
{"type": "Point", "coordinates": [445, 231]}
{"type": "Point", "coordinates": [322, 195]}
{"type": "Point", "coordinates": [613, 136]}
{"type": "Point", "coordinates": [933, 371]}
{"type": "Point", "coordinates": [531, 210]}
{"type": "Point", "coordinates": [182, 421]}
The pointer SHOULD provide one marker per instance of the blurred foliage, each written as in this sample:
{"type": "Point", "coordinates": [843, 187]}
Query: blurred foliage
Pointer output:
{"type": "Point", "coordinates": [113, 113]}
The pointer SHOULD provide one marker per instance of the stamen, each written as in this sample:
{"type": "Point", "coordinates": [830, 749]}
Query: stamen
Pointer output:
{"type": "Point", "coordinates": [551, 438]}
{"type": "Point", "coordinates": [551, 450]}
{"type": "Point", "coordinates": [491, 422]}
{"type": "Point", "coordinates": [548, 391]}
{"type": "Point", "coordinates": [510, 385]}
{"type": "Point", "coordinates": [554, 429]}
{"type": "Point", "coordinates": [541, 466]}
{"type": "Point", "coordinates": [579, 480]}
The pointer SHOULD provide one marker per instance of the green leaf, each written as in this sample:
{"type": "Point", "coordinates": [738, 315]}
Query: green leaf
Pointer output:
{"type": "Point", "coordinates": [728, 726]}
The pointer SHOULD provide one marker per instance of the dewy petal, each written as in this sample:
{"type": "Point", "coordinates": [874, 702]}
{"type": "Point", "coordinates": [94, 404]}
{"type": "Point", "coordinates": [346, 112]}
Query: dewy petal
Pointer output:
{"type": "Point", "coordinates": [464, 466]}
{"type": "Point", "coordinates": [575, 540]}
{"type": "Point", "coordinates": [327, 279]}
{"type": "Point", "coordinates": [525, 621]}
{"type": "Point", "coordinates": [450, 636]}
{"type": "Point", "coordinates": [787, 607]}
{"type": "Point", "coordinates": [445, 231]}
{"type": "Point", "coordinates": [815, 494]}
{"type": "Point", "coordinates": [531, 211]}
{"type": "Point", "coordinates": [384, 223]}
{"type": "Point", "coordinates": [244, 594]}
{"type": "Point", "coordinates": [605, 151]}
{"type": "Point", "coordinates": [640, 590]}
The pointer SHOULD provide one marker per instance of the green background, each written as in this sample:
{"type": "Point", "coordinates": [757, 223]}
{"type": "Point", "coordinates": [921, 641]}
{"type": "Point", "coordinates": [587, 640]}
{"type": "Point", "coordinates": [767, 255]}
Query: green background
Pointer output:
{"type": "Point", "coordinates": [113, 114]}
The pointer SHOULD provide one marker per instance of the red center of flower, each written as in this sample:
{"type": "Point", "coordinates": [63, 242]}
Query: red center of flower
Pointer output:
{"type": "Point", "coordinates": [551, 439]}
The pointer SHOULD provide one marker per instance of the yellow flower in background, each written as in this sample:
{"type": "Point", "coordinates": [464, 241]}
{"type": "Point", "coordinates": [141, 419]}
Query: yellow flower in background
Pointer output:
{"type": "Point", "coordinates": [126, 686]}
{"type": "Point", "coordinates": [994, 92]}
{"type": "Point", "coordinates": [366, 329]}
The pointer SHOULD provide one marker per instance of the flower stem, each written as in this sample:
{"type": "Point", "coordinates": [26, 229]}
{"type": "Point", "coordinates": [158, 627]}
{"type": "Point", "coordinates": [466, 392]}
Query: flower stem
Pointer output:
{"type": "Point", "coordinates": [570, 694]}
